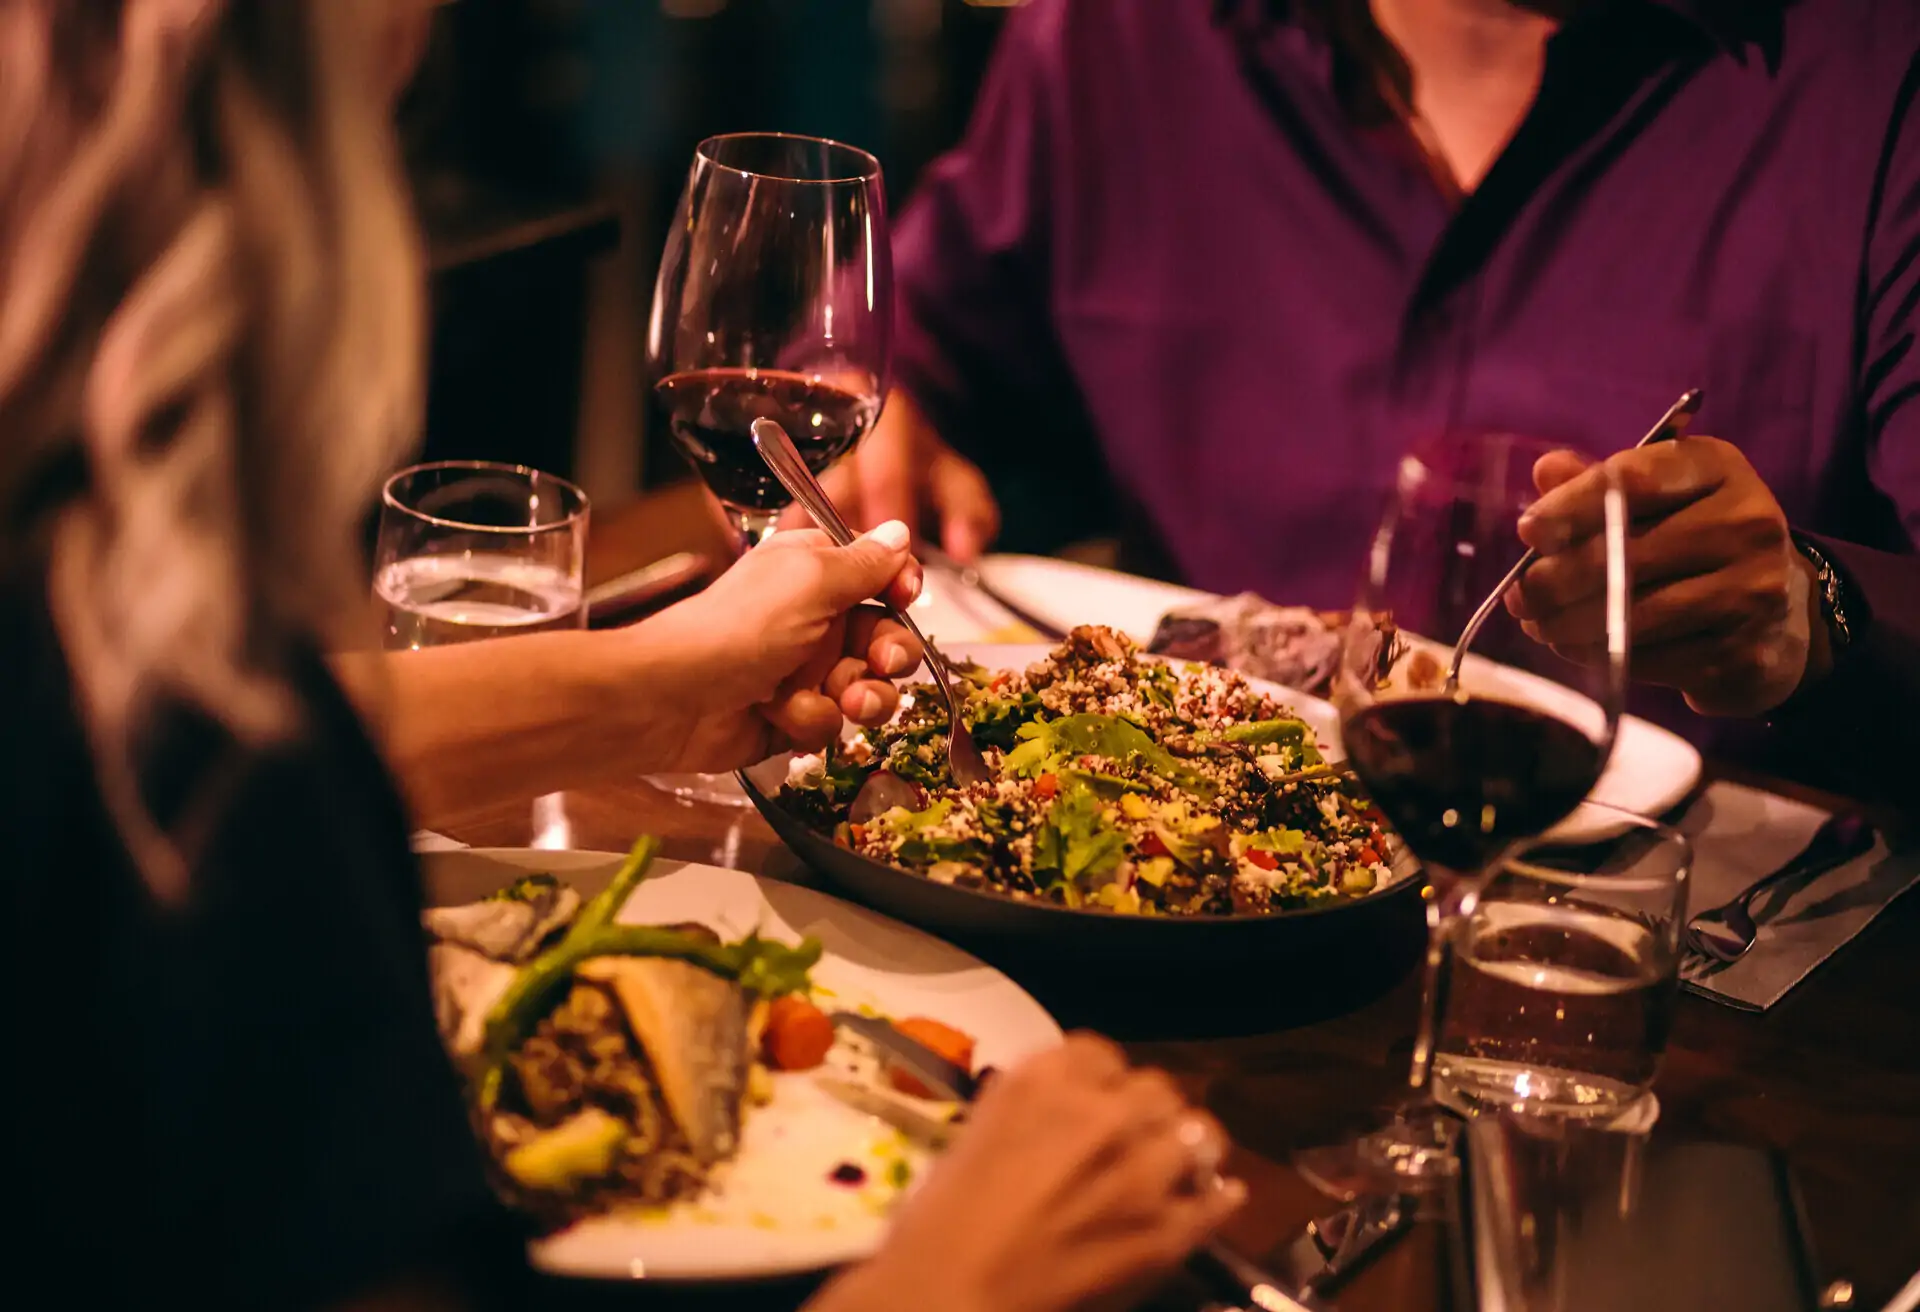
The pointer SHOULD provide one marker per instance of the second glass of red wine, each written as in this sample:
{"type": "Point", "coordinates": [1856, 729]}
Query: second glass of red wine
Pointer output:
{"type": "Point", "coordinates": [775, 301]}
{"type": "Point", "coordinates": [1463, 775]}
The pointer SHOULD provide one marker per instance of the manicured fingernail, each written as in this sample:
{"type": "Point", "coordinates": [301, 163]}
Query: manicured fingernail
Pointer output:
{"type": "Point", "coordinates": [868, 706]}
{"type": "Point", "coordinates": [892, 535]}
{"type": "Point", "coordinates": [894, 660]}
{"type": "Point", "coordinates": [914, 580]}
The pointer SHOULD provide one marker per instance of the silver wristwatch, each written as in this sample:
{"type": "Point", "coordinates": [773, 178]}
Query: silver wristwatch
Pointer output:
{"type": "Point", "coordinates": [1833, 594]}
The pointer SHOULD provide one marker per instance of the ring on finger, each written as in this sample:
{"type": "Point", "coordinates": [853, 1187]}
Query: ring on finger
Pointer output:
{"type": "Point", "coordinates": [1205, 1153]}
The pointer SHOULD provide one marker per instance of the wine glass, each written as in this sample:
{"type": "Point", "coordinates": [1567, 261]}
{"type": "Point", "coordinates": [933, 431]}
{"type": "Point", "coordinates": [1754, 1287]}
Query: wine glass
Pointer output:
{"type": "Point", "coordinates": [1463, 777]}
{"type": "Point", "coordinates": [470, 549]}
{"type": "Point", "coordinates": [774, 300]}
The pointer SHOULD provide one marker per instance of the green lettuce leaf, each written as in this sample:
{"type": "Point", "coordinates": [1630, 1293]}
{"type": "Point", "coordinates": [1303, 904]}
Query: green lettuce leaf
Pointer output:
{"type": "Point", "coordinates": [996, 721]}
{"type": "Point", "coordinates": [1073, 844]}
{"type": "Point", "coordinates": [1047, 744]}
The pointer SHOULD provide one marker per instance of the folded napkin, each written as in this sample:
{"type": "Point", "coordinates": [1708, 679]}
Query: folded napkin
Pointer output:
{"type": "Point", "coordinates": [1740, 835]}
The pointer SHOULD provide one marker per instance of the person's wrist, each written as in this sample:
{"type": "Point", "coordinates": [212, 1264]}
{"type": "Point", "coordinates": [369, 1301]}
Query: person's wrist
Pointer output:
{"type": "Point", "coordinates": [1820, 644]}
{"type": "Point", "coordinates": [648, 685]}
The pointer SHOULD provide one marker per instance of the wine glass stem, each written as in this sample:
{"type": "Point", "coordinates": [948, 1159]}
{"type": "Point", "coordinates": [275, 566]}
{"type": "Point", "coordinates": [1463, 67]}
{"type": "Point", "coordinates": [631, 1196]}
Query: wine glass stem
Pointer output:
{"type": "Point", "coordinates": [1448, 899]}
{"type": "Point", "coordinates": [752, 527]}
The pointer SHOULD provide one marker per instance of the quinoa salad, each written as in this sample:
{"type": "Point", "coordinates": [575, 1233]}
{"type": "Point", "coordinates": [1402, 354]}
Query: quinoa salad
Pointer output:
{"type": "Point", "coordinates": [1121, 783]}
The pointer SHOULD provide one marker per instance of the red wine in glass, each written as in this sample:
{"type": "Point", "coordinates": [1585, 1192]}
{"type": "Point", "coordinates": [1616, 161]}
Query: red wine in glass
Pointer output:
{"type": "Point", "coordinates": [710, 413]}
{"type": "Point", "coordinates": [1463, 778]}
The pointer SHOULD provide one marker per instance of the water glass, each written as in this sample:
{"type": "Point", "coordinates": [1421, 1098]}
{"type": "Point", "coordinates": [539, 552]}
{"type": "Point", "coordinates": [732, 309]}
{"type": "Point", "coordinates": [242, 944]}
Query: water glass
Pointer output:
{"type": "Point", "coordinates": [1562, 973]}
{"type": "Point", "coordinates": [470, 549]}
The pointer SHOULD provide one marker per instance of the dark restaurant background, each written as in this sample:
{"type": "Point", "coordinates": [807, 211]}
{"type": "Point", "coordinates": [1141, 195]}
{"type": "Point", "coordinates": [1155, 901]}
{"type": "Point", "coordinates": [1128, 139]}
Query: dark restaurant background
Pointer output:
{"type": "Point", "coordinates": [548, 140]}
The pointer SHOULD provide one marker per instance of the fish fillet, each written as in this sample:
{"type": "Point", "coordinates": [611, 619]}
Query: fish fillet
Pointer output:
{"type": "Point", "coordinates": [693, 1025]}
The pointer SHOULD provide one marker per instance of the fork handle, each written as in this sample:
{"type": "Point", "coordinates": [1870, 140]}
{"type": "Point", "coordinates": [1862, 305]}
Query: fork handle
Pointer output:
{"type": "Point", "coordinates": [1835, 845]}
{"type": "Point", "coordinates": [778, 450]}
{"type": "Point", "coordinates": [783, 457]}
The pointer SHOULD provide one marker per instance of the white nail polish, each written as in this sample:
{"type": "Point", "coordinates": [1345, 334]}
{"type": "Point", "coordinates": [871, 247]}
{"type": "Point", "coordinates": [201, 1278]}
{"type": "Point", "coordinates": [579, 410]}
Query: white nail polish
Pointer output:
{"type": "Point", "coordinates": [893, 534]}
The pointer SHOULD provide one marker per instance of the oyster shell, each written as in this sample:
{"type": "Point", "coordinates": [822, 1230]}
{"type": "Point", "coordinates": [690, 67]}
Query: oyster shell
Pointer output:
{"type": "Point", "coordinates": [466, 984]}
{"type": "Point", "coordinates": [510, 925]}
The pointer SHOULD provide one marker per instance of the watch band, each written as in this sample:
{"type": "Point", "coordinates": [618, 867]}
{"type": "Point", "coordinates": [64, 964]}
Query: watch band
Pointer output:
{"type": "Point", "coordinates": [1832, 589]}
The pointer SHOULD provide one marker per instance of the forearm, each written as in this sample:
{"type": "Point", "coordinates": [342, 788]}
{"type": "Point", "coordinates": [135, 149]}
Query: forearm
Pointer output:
{"type": "Point", "coordinates": [480, 723]}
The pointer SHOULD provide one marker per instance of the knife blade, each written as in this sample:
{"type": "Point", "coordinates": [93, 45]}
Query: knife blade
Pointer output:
{"type": "Point", "coordinates": [946, 1078]}
{"type": "Point", "coordinates": [974, 580]}
{"type": "Point", "coordinates": [1228, 1273]}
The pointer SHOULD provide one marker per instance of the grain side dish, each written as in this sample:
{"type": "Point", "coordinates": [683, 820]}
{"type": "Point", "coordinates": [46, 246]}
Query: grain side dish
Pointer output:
{"type": "Point", "coordinates": [1121, 783]}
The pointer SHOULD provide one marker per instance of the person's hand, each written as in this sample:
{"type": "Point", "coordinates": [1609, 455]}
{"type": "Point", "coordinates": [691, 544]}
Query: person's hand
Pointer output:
{"type": "Point", "coordinates": [902, 470]}
{"type": "Point", "coordinates": [779, 648]}
{"type": "Point", "coordinates": [1077, 1184]}
{"type": "Point", "coordinates": [1723, 605]}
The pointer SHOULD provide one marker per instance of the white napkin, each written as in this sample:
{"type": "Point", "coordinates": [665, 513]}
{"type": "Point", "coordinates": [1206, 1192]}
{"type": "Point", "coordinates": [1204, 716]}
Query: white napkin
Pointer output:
{"type": "Point", "coordinates": [1742, 834]}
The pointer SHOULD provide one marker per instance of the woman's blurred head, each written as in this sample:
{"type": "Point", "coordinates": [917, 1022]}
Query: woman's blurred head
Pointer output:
{"type": "Point", "coordinates": [210, 343]}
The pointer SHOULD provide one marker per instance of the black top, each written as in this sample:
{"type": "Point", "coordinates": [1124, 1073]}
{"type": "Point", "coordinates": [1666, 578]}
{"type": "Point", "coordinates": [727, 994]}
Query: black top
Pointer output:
{"type": "Point", "coordinates": [239, 1100]}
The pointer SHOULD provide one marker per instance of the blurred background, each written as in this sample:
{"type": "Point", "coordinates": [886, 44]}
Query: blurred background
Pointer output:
{"type": "Point", "coordinates": [548, 140]}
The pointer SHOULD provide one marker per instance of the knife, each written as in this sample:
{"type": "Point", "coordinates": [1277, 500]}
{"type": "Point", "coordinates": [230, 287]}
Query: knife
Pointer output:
{"type": "Point", "coordinates": [1227, 1273]}
{"type": "Point", "coordinates": [972, 579]}
{"type": "Point", "coordinates": [949, 1079]}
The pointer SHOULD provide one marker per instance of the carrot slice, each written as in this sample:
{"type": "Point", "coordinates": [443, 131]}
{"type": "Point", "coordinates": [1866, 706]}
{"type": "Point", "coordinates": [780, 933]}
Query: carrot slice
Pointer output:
{"type": "Point", "coordinates": [799, 1034]}
{"type": "Point", "coordinates": [944, 1040]}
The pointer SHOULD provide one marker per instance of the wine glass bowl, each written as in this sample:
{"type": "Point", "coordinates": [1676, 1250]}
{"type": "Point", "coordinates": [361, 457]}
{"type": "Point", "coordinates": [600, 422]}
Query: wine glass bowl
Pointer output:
{"type": "Point", "coordinates": [774, 301]}
{"type": "Point", "coordinates": [1524, 737]}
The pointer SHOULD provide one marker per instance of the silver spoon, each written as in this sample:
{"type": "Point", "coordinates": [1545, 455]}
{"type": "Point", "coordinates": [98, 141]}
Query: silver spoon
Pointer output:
{"type": "Point", "coordinates": [1672, 424]}
{"type": "Point", "coordinates": [1727, 932]}
{"type": "Point", "coordinates": [964, 761]}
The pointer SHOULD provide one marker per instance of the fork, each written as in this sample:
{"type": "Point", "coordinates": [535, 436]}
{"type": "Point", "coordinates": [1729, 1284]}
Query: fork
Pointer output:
{"type": "Point", "coordinates": [964, 761]}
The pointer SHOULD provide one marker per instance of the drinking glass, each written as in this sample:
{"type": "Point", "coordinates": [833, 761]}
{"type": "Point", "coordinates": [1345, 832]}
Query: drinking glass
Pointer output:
{"type": "Point", "coordinates": [1561, 979]}
{"type": "Point", "coordinates": [1463, 775]}
{"type": "Point", "coordinates": [774, 300]}
{"type": "Point", "coordinates": [469, 549]}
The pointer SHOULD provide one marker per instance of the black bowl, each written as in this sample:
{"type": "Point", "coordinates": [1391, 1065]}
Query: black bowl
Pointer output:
{"type": "Point", "coordinates": [1346, 948]}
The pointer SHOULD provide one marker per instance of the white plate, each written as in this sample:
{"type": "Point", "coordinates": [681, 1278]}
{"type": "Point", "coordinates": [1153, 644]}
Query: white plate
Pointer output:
{"type": "Point", "coordinates": [777, 1212]}
{"type": "Point", "coordinates": [1650, 772]}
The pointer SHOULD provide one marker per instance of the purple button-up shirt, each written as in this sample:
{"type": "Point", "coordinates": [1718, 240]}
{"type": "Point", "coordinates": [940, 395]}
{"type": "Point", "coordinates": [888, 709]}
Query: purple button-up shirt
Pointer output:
{"type": "Point", "coordinates": [1168, 232]}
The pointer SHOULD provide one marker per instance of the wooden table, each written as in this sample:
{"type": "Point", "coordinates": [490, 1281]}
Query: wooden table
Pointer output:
{"type": "Point", "coordinates": [1830, 1077]}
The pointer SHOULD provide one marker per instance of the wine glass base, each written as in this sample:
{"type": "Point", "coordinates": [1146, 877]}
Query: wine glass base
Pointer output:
{"type": "Point", "coordinates": [1411, 1154]}
{"type": "Point", "coordinates": [712, 789]}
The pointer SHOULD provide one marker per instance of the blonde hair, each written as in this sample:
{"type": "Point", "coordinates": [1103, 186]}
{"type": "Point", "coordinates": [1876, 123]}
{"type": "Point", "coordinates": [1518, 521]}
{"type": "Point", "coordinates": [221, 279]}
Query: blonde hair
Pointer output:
{"type": "Point", "coordinates": [211, 326]}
